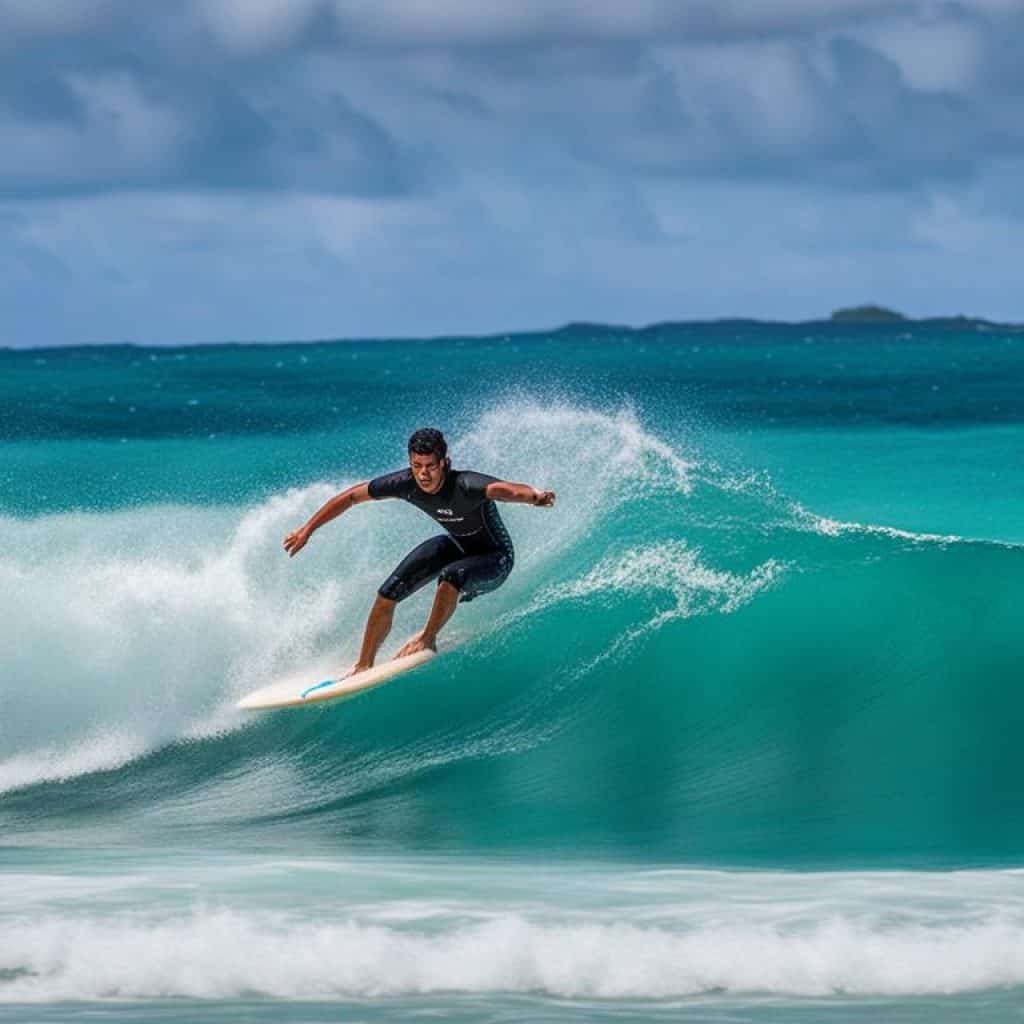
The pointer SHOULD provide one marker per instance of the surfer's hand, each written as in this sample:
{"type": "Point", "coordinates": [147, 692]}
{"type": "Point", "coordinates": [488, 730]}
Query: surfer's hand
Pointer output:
{"type": "Point", "coordinates": [296, 540]}
{"type": "Point", "coordinates": [544, 499]}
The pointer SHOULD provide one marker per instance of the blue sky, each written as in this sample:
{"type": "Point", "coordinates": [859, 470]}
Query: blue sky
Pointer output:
{"type": "Point", "coordinates": [272, 169]}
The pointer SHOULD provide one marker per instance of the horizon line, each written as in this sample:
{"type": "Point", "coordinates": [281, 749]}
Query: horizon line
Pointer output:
{"type": "Point", "coordinates": [896, 320]}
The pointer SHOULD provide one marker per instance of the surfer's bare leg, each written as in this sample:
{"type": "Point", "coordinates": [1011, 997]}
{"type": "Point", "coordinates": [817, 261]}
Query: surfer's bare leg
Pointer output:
{"type": "Point", "coordinates": [445, 600]}
{"type": "Point", "coordinates": [378, 625]}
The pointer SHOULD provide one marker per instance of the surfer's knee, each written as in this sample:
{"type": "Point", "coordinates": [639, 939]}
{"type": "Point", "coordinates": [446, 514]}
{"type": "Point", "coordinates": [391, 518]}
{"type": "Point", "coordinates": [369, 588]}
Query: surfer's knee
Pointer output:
{"type": "Point", "coordinates": [473, 577]}
{"type": "Point", "coordinates": [453, 577]}
{"type": "Point", "coordinates": [393, 590]}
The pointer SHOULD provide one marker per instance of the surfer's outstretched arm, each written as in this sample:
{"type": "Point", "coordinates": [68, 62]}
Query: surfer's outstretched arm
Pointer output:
{"type": "Point", "coordinates": [505, 490]}
{"type": "Point", "coordinates": [355, 495]}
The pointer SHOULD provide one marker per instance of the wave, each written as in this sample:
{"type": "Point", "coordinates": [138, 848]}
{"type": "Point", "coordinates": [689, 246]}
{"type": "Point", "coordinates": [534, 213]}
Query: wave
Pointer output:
{"type": "Point", "coordinates": [683, 661]}
{"type": "Point", "coordinates": [131, 629]}
{"type": "Point", "coordinates": [218, 953]}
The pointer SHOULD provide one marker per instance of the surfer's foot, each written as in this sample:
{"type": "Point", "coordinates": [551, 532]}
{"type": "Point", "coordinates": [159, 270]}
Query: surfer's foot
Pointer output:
{"type": "Point", "coordinates": [416, 644]}
{"type": "Point", "coordinates": [356, 669]}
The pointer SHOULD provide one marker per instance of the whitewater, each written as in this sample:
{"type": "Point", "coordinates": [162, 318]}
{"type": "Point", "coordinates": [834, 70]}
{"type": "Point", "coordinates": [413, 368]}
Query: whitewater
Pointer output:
{"type": "Point", "coordinates": [738, 739]}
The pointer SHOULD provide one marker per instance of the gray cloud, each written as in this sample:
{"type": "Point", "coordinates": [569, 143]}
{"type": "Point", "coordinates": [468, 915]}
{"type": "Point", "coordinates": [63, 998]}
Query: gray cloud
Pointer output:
{"type": "Point", "coordinates": [247, 168]}
{"type": "Point", "coordinates": [99, 114]}
{"type": "Point", "coordinates": [467, 23]}
{"type": "Point", "coordinates": [358, 99]}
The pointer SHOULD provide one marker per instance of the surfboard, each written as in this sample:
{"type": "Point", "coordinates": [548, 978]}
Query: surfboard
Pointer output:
{"type": "Point", "coordinates": [298, 691]}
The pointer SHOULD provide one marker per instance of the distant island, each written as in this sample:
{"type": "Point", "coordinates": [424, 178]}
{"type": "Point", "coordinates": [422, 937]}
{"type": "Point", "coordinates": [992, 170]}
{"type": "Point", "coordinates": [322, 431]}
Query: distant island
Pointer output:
{"type": "Point", "coordinates": [872, 314]}
{"type": "Point", "coordinates": [867, 314]}
{"type": "Point", "coordinates": [847, 316]}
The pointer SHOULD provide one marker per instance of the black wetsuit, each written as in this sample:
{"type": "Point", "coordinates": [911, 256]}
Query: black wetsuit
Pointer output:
{"type": "Point", "coordinates": [475, 555]}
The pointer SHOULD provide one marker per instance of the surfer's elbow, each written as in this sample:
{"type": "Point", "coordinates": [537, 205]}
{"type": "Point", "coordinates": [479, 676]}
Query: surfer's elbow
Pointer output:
{"type": "Point", "coordinates": [354, 495]}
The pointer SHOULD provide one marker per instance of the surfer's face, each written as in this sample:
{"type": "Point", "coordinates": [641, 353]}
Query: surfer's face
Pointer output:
{"type": "Point", "coordinates": [427, 471]}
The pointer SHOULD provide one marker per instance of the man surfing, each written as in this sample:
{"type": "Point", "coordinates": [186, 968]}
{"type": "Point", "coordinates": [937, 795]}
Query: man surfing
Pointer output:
{"type": "Point", "coordinates": [473, 556]}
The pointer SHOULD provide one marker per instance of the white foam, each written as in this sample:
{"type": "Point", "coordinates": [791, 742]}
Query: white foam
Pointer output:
{"type": "Point", "coordinates": [595, 461]}
{"type": "Point", "coordinates": [758, 484]}
{"type": "Point", "coordinates": [129, 630]}
{"type": "Point", "coordinates": [599, 445]}
{"type": "Point", "coordinates": [827, 527]}
{"type": "Point", "coordinates": [670, 567]}
{"type": "Point", "coordinates": [102, 752]}
{"type": "Point", "coordinates": [674, 567]}
{"type": "Point", "coordinates": [219, 953]}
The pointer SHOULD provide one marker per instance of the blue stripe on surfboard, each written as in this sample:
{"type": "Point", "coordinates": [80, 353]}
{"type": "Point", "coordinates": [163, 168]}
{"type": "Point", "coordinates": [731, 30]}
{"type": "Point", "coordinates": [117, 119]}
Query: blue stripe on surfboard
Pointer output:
{"type": "Point", "coordinates": [317, 686]}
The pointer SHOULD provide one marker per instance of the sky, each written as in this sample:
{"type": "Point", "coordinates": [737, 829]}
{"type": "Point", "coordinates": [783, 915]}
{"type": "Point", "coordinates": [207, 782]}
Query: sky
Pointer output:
{"type": "Point", "coordinates": [228, 170]}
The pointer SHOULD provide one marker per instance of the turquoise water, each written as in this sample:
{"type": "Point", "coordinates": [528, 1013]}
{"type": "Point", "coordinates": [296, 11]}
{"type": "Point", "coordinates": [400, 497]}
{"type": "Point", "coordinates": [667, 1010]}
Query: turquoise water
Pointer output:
{"type": "Point", "coordinates": [738, 740]}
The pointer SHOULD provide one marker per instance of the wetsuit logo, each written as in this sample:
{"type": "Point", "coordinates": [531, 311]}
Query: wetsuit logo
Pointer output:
{"type": "Point", "coordinates": [445, 512]}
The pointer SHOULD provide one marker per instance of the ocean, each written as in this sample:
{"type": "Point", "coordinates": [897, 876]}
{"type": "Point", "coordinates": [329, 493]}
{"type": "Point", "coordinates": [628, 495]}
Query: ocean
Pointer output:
{"type": "Point", "coordinates": [739, 739]}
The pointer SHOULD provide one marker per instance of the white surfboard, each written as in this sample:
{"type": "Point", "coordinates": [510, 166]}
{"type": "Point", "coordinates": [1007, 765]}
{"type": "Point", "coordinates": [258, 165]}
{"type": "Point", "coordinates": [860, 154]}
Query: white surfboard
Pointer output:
{"type": "Point", "coordinates": [298, 691]}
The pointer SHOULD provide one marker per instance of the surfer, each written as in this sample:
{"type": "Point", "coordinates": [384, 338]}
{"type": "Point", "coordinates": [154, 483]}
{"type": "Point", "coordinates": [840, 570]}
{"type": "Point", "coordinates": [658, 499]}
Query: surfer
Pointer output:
{"type": "Point", "coordinates": [474, 555]}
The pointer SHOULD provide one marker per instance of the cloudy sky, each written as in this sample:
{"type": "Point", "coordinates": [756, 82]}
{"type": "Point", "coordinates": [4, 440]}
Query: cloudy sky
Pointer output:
{"type": "Point", "coordinates": [199, 170]}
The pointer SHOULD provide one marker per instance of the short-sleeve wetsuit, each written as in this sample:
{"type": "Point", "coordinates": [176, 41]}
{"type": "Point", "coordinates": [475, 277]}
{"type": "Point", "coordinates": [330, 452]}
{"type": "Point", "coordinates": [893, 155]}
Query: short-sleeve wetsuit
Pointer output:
{"type": "Point", "coordinates": [475, 555]}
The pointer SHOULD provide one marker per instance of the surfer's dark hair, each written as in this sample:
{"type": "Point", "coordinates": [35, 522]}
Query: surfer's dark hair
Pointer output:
{"type": "Point", "coordinates": [428, 441]}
